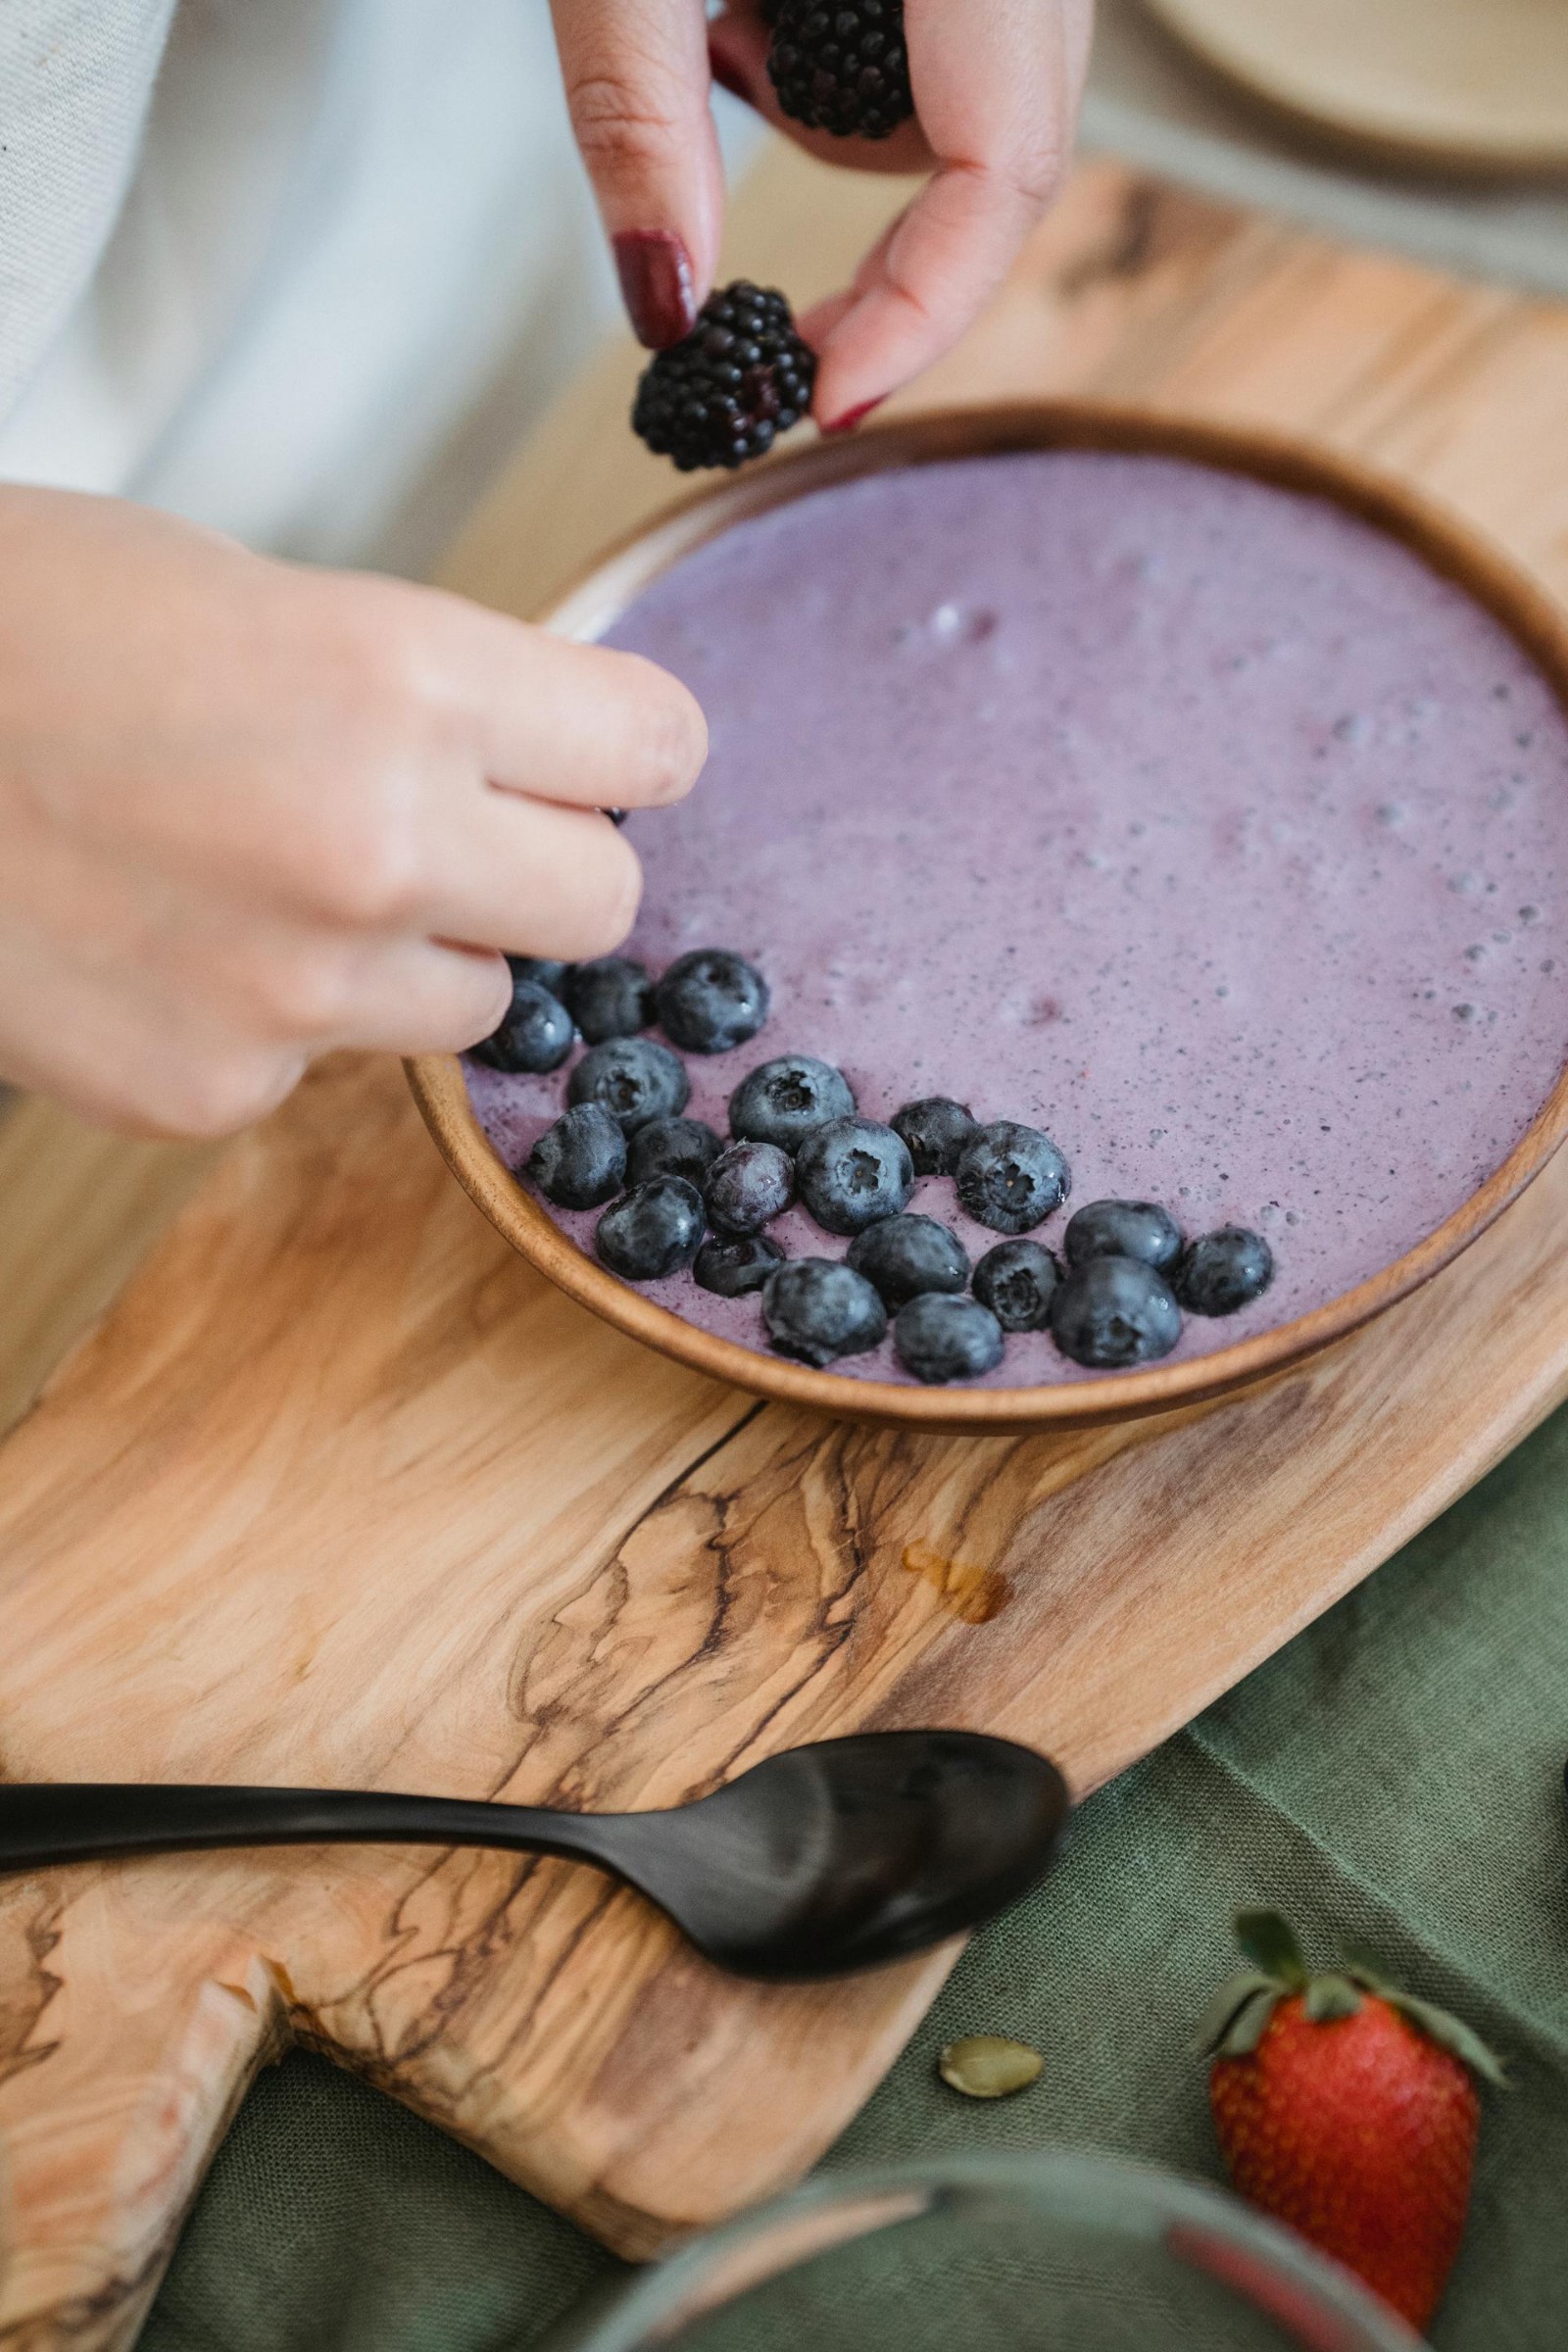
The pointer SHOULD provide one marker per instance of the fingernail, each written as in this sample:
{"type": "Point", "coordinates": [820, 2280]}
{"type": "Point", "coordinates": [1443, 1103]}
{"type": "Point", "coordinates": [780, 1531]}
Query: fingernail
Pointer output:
{"type": "Point", "coordinates": [656, 283]}
{"type": "Point", "coordinates": [726, 75]}
{"type": "Point", "coordinates": [854, 416]}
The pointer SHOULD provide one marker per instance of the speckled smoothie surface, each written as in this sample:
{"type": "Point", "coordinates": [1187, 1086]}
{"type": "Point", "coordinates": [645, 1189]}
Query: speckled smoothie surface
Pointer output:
{"type": "Point", "coordinates": [1192, 820]}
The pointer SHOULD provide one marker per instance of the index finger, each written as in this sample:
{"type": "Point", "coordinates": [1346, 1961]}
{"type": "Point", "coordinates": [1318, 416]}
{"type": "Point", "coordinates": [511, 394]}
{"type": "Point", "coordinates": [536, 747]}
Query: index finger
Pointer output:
{"type": "Point", "coordinates": [996, 89]}
{"type": "Point", "coordinates": [637, 86]}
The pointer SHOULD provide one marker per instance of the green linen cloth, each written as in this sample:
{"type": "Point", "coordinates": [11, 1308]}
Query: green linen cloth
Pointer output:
{"type": "Point", "coordinates": [1394, 1776]}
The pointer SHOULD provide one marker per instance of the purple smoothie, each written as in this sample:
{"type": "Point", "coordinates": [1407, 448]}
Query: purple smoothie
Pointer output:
{"type": "Point", "coordinates": [1192, 820]}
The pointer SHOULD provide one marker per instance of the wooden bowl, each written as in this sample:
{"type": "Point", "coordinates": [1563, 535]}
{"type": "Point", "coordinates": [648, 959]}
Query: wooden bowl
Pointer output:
{"type": "Point", "coordinates": [1476, 87]}
{"type": "Point", "coordinates": [602, 593]}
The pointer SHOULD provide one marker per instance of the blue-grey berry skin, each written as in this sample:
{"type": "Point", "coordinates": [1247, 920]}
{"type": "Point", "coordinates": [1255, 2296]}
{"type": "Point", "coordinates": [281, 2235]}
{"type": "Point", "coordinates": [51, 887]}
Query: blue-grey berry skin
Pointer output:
{"type": "Point", "coordinates": [732, 1268]}
{"type": "Point", "coordinates": [1224, 1272]}
{"type": "Point", "coordinates": [903, 1256]}
{"type": "Point", "coordinates": [936, 1130]}
{"type": "Point", "coordinates": [816, 1310]}
{"type": "Point", "coordinates": [1123, 1229]}
{"type": "Point", "coordinates": [710, 1001]}
{"type": "Point", "coordinates": [853, 1173]}
{"type": "Point", "coordinates": [634, 1078]}
{"type": "Point", "coordinates": [547, 971]}
{"type": "Point", "coordinates": [580, 1162]}
{"type": "Point", "coordinates": [535, 1032]}
{"type": "Point", "coordinates": [672, 1148]}
{"type": "Point", "coordinates": [747, 1187]}
{"type": "Point", "coordinates": [783, 1101]}
{"type": "Point", "coordinates": [1009, 1176]}
{"type": "Point", "coordinates": [1017, 1281]}
{"type": "Point", "coordinates": [609, 996]}
{"type": "Point", "coordinates": [655, 1231]}
{"type": "Point", "coordinates": [939, 1338]}
{"type": "Point", "coordinates": [1112, 1312]}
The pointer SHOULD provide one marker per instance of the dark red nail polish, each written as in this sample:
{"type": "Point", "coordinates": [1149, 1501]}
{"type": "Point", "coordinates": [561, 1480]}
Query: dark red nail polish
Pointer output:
{"type": "Point", "coordinates": [854, 416]}
{"type": "Point", "coordinates": [656, 283]}
{"type": "Point", "coordinates": [726, 76]}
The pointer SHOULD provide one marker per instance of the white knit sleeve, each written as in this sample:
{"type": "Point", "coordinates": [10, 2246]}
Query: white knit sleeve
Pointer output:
{"type": "Point", "coordinates": [76, 76]}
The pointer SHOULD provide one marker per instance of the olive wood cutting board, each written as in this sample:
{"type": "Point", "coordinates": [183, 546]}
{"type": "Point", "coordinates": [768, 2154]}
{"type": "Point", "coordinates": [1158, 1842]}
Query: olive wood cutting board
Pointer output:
{"type": "Point", "coordinates": [341, 1491]}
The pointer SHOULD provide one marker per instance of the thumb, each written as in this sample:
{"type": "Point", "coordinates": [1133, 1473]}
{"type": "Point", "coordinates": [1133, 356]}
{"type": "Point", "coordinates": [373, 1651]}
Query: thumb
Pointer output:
{"type": "Point", "coordinates": [637, 84]}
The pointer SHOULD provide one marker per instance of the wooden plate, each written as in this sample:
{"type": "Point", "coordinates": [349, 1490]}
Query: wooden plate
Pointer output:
{"type": "Point", "coordinates": [1475, 86]}
{"type": "Point", "coordinates": [594, 603]}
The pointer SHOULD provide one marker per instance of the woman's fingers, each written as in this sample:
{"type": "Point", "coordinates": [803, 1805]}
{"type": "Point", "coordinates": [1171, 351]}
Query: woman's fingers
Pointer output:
{"type": "Point", "coordinates": [637, 83]}
{"type": "Point", "coordinates": [563, 721]}
{"type": "Point", "coordinates": [528, 876]}
{"type": "Point", "coordinates": [996, 85]}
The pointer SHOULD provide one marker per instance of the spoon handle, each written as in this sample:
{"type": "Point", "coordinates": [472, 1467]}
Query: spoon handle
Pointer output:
{"type": "Point", "coordinates": [47, 1822]}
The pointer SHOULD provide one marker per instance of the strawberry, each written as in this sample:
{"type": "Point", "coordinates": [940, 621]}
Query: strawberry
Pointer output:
{"type": "Point", "coordinates": [1349, 2110]}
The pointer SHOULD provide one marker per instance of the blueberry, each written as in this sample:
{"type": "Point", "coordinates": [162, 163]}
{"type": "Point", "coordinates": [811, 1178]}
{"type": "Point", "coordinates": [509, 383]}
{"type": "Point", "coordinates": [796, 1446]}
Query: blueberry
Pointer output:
{"type": "Point", "coordinates": [610, 997]}
{"type": "Point", "coordinates": [1114, 1311]}
{"type": "Point", "coordinates": [547, 971]}
{"type": "Point", "coordinates": [940, 1339]}
{"type": "Point", "coordinates": [853, 1173]}
{"type": "Point", "coordinates": [1123, 1229]}
{"type": "Point", "coordinates": [1223, 1271]}
{"type": "Point", "coordinates": [730, 1269]}
{"type": "Point", "coordinates": [903, 1256]}
{"type": "Point", "coordinates": [781, 1101]}
{"type": "Point", "coordinates": [581, 1160]}
{"type": "Point", "coordinates": [710, 1000]}
{"type": "Point", "coordinates": [816, 1310]}
{"type": "Point", "coordinates": [1009, 1176]}
{"type": "Point", "coordinates": [936, 1131]}
{"type": "Point", "coordinates": [535, 1032]}
{"type": "Point", "coordinates": [1016, 1281]}
{"type": "Point", "coordinates": [654, 1231]}
{"type": "Point", "coordinates": [672, 1148]}
{"type": "Point", "coordinates": [634, 1078]}
{"type": "Point", "coordinates": [747, 1187]}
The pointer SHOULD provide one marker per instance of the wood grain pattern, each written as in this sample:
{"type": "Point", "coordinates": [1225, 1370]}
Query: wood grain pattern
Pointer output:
{"type": "Point", "coordinates": [342, 1491]}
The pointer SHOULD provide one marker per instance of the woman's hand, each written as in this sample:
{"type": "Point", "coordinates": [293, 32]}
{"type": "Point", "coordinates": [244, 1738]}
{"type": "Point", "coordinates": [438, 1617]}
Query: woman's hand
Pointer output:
{"type": "Point", "coordinates": [250, 812]}
{"type": "Point", "coordinates": [996, 85]}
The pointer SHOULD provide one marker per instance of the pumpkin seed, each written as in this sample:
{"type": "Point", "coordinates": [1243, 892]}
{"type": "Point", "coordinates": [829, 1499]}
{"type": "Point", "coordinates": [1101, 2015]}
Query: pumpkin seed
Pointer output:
{"type": "Point", "coordinates": [988, 2066]}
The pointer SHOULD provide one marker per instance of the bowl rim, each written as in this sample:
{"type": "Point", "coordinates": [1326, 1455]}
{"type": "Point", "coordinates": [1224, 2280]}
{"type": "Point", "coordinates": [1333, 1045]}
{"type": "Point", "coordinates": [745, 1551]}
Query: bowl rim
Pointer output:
{"type": "Point", "coordinates": [1200, 2227]}
{"type": "Point", "coordinates": [607, 584]}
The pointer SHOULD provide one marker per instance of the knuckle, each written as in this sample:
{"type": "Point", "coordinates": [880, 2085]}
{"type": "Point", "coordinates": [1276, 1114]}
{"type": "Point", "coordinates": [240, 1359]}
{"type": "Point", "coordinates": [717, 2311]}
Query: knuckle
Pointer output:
{"type": "Point", "coordinates": [308, 994]}
{"type": "Point", "coordinates": [621, 129]}
{"type": "Point", "coordinates": [369, 867]}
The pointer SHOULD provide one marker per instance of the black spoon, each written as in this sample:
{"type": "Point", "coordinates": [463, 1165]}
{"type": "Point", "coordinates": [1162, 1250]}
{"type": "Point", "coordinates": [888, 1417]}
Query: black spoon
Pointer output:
{"type": "Point", "coordinates": [816, 1861]}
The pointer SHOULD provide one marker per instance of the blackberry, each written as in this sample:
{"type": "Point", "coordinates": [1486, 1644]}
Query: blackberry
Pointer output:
{"type": "Point", "coordinates": [841, 66]}
{"type": "Point", "coordinates": [742, 377]}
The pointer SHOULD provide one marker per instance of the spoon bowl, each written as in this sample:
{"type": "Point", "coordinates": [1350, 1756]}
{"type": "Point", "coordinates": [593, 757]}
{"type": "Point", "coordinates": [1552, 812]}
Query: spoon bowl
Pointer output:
{"type": "Point", "coordinates": [819, 1861]}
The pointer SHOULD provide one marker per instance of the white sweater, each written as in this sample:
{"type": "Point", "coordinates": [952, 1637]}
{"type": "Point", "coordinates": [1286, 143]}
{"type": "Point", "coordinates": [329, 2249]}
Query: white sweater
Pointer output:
{"type": "Point", "coordinates": [258, 264]}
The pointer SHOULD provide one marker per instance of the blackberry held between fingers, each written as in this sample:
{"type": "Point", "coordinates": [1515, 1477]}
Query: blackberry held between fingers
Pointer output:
{"type": "Point", "coordinates": [742, 377]}
{"type": "Point", "coordinates": [841, 66]}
